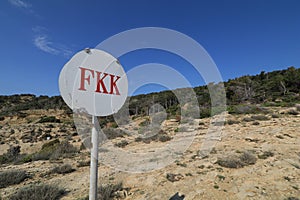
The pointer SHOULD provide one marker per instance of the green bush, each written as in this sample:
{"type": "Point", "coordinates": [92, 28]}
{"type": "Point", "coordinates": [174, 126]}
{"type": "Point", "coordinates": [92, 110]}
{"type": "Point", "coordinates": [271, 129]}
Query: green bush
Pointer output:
{"type": "Point", "coordinates": [38, 192]}
{"type": "Point", "coordinates": [12, 177]}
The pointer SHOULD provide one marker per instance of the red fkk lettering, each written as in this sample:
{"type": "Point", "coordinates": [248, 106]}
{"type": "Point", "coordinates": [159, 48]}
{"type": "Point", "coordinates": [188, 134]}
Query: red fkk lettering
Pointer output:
{"type": "Point", "coordinates": [100, 84]}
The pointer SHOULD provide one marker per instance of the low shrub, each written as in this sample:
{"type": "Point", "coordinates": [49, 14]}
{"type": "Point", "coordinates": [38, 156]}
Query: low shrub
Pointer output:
{"type": "Point", "coordinates": [266, 154]}
{"type": "Point", "coordinates": [234, 161]}
{"type": "Point", "coordinates": [38, 192]}
{"type": "Point", "coordinates": [247, 158]}
{"type": "Point", "coordinates": [105, 192]}
{"type": "Point", "coordinates": [292, 198]}
{"type": "Point", "coordinates": [246, 109]}
{"type": "Point", "coordinates": [112, 133]}
{"type": "Point", "coordinates": [11, 155]}
{"type": "Point", "coordinates": [275, 116]}
{"type": "Point", "coordinates": [146, 122]}
{"type": "Point", "coordinates": [231, 122]}
{"type": "Point", "coordinates": [112, 125]}
{"type": "Point", "coordinates": [83, 163]}
{"type": "Point", "coordinates": [164, 138]}
{"type": "Point", "coordinates": [54, 150]}
{"type": "Point", "coordinates": [230, 162]}
{"type": "Point", "coordinates": [122, 144]}
{"type": "Point", "coordinates": [12, 177]}
{"type": "Point", "coordinates": [260, 117]}
{"type": "Point", "coordinates": [293, 112]}
{"type": "Point", "coordinates": [161, 136]}
{"type": "Point", "coordinates": [248, 119]}
{"type": "Point", "coordinates": [63, 169]}
{"type": "Point", "coordinates": [49, 119]}
{"type": "Point", "coordinates": [50, 144]}
{"type": "Point", "coordinates": [174, 177]}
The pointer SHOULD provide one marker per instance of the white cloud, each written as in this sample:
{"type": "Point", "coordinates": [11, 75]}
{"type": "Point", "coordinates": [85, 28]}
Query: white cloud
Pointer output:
{"type": "Point", "coordinates": [42, 43]}
{"type": "Point", "coordinates": [20, 4]}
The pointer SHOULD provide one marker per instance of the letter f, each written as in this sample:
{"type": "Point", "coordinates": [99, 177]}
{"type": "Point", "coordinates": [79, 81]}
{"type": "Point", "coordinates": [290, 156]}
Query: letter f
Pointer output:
{"type": "Point", "coordinates": [83, 78]}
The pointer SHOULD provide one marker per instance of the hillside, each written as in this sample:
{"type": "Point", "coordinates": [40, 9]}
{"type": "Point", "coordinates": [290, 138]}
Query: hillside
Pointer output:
{"type": "Point", "coordinates": [256, 155]}
{"type": "Point", "coordinates": [277, 88]}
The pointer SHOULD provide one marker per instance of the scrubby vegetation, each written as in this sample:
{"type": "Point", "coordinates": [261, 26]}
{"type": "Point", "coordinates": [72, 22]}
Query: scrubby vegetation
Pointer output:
{"type": "Point", "coordinates": [122, 144]}
{"type": "Point", "coordinates": [51, 150]}
{"type": "Point", "coordinates": [277, 88]}
{"type": "Point", "coordinates": [49, 119]}
{"type": "Point", "coordinates": [266, 154]}
{"type": "Point", "coordinates": [38, 192]}
{"type": "Point", "coordinates": [112, 133]}
{"type": "Point", "coordinates": [259, 117]}
{"type": "Point", "coordinates": [63, 169]}
{"type": "Point", "coordinates": [237, 161]}
{"type": "Point", "coordinates": [161, 136]}
{"type": "Point", "coordinates": [55, 150]}
{"type": "Point", "coordinates": [12, 177]}
{"type": "Point", "coordinates": [107, 192]}
{"type": "Point", "coordinates": [13, 156]}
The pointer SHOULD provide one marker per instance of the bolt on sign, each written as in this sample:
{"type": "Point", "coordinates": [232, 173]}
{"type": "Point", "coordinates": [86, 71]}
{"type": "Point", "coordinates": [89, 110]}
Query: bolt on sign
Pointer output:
{"type": "Point", "coordinates": [95, 81]}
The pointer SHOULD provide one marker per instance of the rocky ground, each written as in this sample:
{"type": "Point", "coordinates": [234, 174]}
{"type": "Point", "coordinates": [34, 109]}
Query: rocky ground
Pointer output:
{"type": "Point", "coordinates": [255, 157]}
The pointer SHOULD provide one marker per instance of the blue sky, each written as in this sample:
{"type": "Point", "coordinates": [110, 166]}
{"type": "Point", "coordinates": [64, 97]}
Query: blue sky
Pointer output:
{"type": "Point", "coordinates": [243, 37]}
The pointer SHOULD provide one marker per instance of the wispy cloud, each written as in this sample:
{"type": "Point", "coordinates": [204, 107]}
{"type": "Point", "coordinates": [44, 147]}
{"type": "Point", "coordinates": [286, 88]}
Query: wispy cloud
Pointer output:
{"type": "Point", "coordinates": [24, 6]}
{"type": "Point", "coordinates": [20, 4]}
{"type": "Point", "coordinates": [42, 42]}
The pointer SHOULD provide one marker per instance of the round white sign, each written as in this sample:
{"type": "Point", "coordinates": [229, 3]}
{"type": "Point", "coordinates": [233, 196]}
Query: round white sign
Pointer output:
{"type": "Point", "coordinates": [93, 81]}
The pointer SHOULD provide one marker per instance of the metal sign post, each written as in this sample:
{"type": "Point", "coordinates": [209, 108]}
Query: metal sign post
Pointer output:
{"type": "Point", "coordinates": [94, 81]}
{"type": "Point", "coordinates": [94, 162]}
